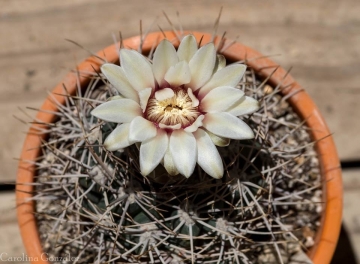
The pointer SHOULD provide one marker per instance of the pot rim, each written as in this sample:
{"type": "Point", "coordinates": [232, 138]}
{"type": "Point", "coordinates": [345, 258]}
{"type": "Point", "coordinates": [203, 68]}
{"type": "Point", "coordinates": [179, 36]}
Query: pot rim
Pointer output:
{"type": "Point", "coordinates": [327, 235]}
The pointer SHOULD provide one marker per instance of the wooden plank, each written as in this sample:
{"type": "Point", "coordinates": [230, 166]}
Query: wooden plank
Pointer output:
{"type": "Point", "coordinates": [13, 134]}
{"type": "Point", "coordinates": [9, 230]}
{"type": "Point", "coordinates": [351, 214]}
{"type": "Point", "coordinates": [320, 39]}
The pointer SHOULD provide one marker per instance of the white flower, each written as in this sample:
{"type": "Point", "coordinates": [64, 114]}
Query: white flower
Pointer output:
{"type": "Point", "coordinates": [179, 107]}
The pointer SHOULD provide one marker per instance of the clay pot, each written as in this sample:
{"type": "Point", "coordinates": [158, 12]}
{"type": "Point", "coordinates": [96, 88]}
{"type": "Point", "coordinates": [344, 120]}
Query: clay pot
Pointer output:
{"type": "Point", "coordinates": [327, 236]}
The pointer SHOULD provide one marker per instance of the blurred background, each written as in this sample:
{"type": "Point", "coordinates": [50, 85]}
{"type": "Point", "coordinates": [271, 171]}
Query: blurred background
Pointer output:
{"type": "Point", "coordinates": [319, 39]}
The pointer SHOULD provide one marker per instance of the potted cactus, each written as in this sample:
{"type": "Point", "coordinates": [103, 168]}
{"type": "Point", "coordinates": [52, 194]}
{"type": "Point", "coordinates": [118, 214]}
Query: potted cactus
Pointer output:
{"type": "Point", "coordinates": [179, 147]}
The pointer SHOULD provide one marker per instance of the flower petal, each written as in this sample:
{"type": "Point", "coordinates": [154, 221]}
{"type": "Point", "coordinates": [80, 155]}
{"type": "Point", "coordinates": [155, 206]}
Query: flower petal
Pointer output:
{"type": "Point", "coordinates": [169, 164]}
{"type": "Point", "coordinates": [152, 152]}
{"type": "Point", "coordinates": [137, 69]}
{"type": "Point", "coordinates": [183, 149]}
{"type": "Point", "coordinates": [178, 74]}
{"type": "Point", "coordinates": [220, 99]}
{"type": "Point", "coordinates": [246, 105]}
{"type": "Point", "coordinates": [208, 156]}
{"type": "Point", "coordinates": [163, 126]}
{"type": "Point", "coordinates": [194, 100]}
{"type": "Point", "coordinates": [228, 76]}
{"type": "Point", "coordinates": [164, 57]}
{"type": "Point", "coordinates": [164, 94]}
{"type": "Point", "coordinates": [202, 66]}
{"type": "Point", "coordinates": [144, 96]}
{"type": "Point", "coordinates": [118, 111]}
{"type": "Point", "coordinates": [218, 141]}
{"type": "Point", "coordinates": [187, 48]}
{"type": "Point", "coordinates": [116, 76]}
{"type": "Point", "coordinates": [227, 125]}
{"type": "Point", "coordinates": [220, 62]}
{"type": "Point", "coordinates": [141, 129]}
{"type": "Point", "coordinates": [115, 97]}
{"type": "Point", "coordinates": [194, 126]}
{"type": "Point", "coordinates": [118, 138]}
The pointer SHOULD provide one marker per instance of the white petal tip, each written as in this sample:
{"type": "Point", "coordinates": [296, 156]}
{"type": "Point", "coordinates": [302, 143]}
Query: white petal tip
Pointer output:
{"type": "Point", "coordinates": [164, 57]}
{"type": "Point", "coordinates": [152, 152]}
{"type": "Point", "coordinates": [118, 138]}
{"type": "Point", "coordinates": [145, 173]}
{"type": "Point", "coordinates": [187, 48]}
{"type": "Point", "coordinates": [202, 66]}
{"type": "Point", "coordinates": [219, 141]}
{"type": "Point", "coordinates": [137, 68]}
{"type": "Point", "coordinates": [182, 146]}
{"type": "Point", "coordinates": [174, 127]}
{"type": "Point", "coordinates": [164, 94]}
{"type": "Point", "coordinates": [194, 126]}
{"type": "Point", "coordinates": [195, 101]}
{"type": "Point", "coordinates": [141, 129]}
{"type": "Point", "coordinates": [245, 106]}
{"type": "Point", "coordinates": [116, 97]}
{"type": "Point", "coordinates": [172, 172]}
{"type": "Point", "coordinates": [217, 176]}
{"type": "Point", "coordinates": [227, 125]}
{"type": "Point", "coordinates": [178, 74]}
{"type": "Point", "coordinates": [144, 96]}
{"type": "Point", "coordinates": [251, 135]}
{"type": "Point", "coordinates": [220, 99]}
{"type": "Point", "coordinates": [108, 147]}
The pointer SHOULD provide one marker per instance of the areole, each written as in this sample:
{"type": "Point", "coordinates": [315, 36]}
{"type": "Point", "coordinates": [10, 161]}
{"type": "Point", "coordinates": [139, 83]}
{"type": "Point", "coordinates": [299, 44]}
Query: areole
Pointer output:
{"type": "Point", "coordinates": [330, 166]}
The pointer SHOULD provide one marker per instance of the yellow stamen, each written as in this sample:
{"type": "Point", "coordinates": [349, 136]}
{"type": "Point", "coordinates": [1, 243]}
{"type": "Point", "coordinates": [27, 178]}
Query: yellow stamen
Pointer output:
{"type": "Point", "coordinates": [175, 110]}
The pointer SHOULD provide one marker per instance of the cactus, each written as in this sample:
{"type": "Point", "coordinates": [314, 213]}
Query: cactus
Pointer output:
{"type": "Point", "coordinates": [96, 206]}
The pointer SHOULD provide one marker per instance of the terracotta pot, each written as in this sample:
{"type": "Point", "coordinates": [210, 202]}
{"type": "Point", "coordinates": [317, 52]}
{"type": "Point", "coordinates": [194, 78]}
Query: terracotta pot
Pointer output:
{"type": "Point", "coordinates": [327, 236]}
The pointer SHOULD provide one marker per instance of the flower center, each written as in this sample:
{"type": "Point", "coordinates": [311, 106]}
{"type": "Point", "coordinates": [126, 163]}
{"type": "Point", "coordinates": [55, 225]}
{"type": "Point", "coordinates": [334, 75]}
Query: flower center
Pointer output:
{"type": "Point", "coordinates": [178, 109]}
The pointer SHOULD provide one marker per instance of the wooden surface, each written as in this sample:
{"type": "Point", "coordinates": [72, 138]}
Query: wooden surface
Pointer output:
{"type": "Point", "coordinates": [10, 240]}
{"type": "Point", "coordinates": [351, 208]}
{"type": "Point", "coordinates": [320, 39]}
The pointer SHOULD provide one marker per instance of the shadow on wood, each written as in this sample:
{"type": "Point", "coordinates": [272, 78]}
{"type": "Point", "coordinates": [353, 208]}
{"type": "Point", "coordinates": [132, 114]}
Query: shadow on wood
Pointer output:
{"type": "Point", "coordinates": [344, 252]}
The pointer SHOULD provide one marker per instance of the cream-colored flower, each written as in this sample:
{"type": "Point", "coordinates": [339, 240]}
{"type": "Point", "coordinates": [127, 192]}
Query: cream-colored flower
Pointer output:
{"type": "Point", "coordinates": [180, 107]}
